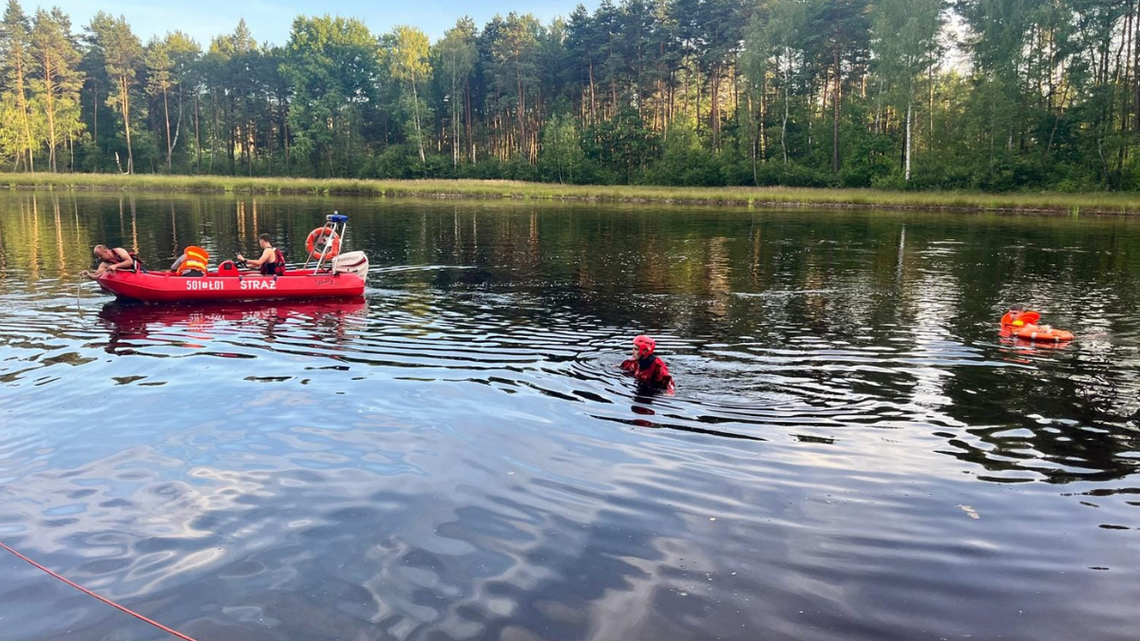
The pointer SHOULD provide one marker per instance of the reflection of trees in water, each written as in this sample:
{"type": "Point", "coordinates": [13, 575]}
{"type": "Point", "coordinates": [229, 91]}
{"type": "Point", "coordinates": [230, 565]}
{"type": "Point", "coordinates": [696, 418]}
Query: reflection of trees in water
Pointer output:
{"type": "Point", "coordinates": [61, 255]}
{"type": "Point", "coordinates": [778, 279]}
{"type": "Point", "coordinates": [1083, 384]}
{"type": "Point", "coordinates": [158, 226]}
{"type": "Point", "coordinates": [933, 296]}
{"type": "Point", "coordinates": [242, 233]}
{"type": "Point", "coordinates": [755, 272]}
{"type": "Point", "coordinates": [1065, 418]}
{"type": "Point", "coordinates": [134, 226]}
{"type": "Point", "coordinates": [719, 274]}
{"type": "Point", "coordinates": [51, 242]}
{"type": "Point", "coordinates": [307, 324]}
{"type": "Point", "coordinates": [1039, 427]}
{"type": "Point", "coordinates": [3, 252]}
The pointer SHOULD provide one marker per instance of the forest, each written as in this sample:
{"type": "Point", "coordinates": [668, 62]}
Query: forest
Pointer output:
{"type": "Point", "coordinates": [991, 95]}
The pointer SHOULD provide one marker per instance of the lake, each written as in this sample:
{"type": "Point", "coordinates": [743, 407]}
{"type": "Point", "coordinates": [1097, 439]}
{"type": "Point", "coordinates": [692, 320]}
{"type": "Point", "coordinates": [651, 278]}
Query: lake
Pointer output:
{"type": "Point", "coordinates": [852, 453]}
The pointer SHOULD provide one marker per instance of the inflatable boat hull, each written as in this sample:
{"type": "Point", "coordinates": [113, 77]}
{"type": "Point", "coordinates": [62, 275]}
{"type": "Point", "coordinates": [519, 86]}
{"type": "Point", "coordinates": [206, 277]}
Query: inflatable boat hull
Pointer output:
{"type": "Point", "coordinates": [165, 287]}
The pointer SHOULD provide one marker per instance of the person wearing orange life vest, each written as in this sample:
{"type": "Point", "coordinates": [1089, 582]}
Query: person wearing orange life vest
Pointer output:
{"type": "Point", "coordinates": [111, 261]}
{"type": "Point", "coordinates": [1017, 317]}
{"type": "Point", "coordinates": [649, 370]}
{"type": "Point", "coordinates": [1022, 324]}
{"type": "Point", "coordinates": [194, 262]}
{"type": "Point", "coordinates": [272, 261]}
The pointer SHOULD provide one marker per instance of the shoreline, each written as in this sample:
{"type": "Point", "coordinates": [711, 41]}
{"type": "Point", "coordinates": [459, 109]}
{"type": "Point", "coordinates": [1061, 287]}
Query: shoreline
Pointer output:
{"type": "Point", "coordinates": [1097, 203]}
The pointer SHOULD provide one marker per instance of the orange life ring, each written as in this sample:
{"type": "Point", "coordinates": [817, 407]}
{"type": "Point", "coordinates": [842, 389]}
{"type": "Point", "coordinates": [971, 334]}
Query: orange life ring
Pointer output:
{"type": "Point", "coordinates": [1044, 334]}
{"type": "Point", "coordinates": [315, 243]}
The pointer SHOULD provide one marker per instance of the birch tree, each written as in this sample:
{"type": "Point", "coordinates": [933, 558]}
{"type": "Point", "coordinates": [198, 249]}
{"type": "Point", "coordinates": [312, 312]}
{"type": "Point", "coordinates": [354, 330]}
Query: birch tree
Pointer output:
{"type": "Point", "coordinates": [905, 42]}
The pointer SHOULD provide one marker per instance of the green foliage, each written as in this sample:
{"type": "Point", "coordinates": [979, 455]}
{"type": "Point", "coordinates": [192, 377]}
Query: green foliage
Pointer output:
{"type": "Point", "coordinates": [561, 156]}
{"type": "Point", "coordinates": [835, 93]}
{"type": "Point", "coordinates": [331, 64]}
{"type": "Point", "coordinates": [57, 79]}
{"type": "Point", "coordinates": [121, 54]}
{"type": "Point", "coordinates": [685, 162]}
{"type": "Point", "coordinates": [406, 53]}
{"type": "Point", "coordinates": [623, 144]}
{"type": "Point", "coordinates": [455, 59]}
{"type": "Point", "coordinates": [19, 133]}
{"type": "Point", "coordinates": [514, 73]}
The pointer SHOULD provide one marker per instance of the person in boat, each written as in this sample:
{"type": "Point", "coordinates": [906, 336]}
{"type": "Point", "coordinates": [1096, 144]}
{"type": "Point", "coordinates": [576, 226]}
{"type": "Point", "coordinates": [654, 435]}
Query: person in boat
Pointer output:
{"type": "Point", "coordinates": [649, 370]}
{"type": "Point", "coordinates": [111, 261]}
{"type": "Point", "coordinates": [194, 262]}
{"type": "Point", "coordinates": [272, 261]}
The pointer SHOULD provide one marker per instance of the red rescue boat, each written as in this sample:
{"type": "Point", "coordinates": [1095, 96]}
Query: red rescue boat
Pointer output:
{"type": "Point", "coordinates": [231, 284]}
{"type": "Point", "coordinates": [341, 277]}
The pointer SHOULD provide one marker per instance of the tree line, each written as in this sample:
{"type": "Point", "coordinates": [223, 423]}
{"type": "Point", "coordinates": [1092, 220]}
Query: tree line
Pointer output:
{"type": "Point", "coordinates": [1037, 94]}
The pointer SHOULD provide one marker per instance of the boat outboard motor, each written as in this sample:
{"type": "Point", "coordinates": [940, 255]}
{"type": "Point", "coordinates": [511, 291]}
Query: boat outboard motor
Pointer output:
{"type": "Point", "coordinates": [351, 263]}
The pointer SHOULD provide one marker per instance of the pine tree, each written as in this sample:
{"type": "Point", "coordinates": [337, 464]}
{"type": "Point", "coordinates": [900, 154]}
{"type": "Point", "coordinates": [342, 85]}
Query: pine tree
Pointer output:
{"type": "Point", "coordinates": [121, 53]}
{"type": "Point", "coordinates": [457, 56]}
{"type": "Point", "coordinates": [15, 41]}
{"type": "Point", "coordinates": [57, 60]}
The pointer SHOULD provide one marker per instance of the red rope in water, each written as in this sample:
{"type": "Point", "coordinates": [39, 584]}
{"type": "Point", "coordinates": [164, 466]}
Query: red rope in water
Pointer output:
{"type": "Point", "coordinates": [103, 599]}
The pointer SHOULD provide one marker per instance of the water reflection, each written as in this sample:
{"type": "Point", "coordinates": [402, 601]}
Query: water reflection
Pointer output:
{"type": "Point", "coordinates": [134, 328]}
{"type": "Point", "coordinates": [458, 455]}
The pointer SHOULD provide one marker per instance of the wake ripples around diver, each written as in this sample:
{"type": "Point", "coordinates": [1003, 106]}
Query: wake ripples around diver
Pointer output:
{"type": "Point", "coordinates": [785, 381]}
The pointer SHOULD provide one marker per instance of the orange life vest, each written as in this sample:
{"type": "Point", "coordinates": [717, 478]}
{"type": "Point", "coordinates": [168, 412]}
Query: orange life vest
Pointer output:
{"type": "Point", "coordinates": [196, 259]}
{"type": "Point", "coordinates": [1026, 318]}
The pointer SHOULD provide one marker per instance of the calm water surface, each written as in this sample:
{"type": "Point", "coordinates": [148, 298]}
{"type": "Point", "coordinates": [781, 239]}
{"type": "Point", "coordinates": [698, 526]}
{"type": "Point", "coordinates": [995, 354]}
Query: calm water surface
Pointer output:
{"type": "Point", "coordinates": [853, 452]}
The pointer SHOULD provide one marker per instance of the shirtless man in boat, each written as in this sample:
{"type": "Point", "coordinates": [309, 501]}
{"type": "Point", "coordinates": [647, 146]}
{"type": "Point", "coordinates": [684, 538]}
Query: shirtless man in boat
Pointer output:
{"type": "Point", "coordinates": [272, 261]}
{"type": "Point", "coordinates": [110, 261]}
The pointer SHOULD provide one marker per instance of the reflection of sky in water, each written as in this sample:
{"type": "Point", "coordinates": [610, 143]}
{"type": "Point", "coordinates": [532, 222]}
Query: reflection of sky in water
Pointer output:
{"type": "Point", "coordinates": [852, 452]}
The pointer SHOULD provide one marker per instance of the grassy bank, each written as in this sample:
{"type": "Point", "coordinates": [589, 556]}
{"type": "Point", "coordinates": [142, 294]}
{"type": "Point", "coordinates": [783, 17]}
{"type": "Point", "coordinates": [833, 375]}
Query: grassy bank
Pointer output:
{"type": "Point", "coordinates": [1087, 203]}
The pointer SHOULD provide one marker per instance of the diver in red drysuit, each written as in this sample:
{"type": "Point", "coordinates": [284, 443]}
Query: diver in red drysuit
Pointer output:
{"type": "Point", "coordinates": [649, 370]}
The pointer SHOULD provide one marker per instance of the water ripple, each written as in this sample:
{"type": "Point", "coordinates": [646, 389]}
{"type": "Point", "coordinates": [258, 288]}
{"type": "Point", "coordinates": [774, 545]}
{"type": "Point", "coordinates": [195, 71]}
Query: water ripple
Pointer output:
{"type": "Point", "coordinates": [852, 451]}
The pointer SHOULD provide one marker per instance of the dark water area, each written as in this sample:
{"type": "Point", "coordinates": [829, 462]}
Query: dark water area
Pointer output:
{"type": "Point", "coordinates": [852, 453]}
